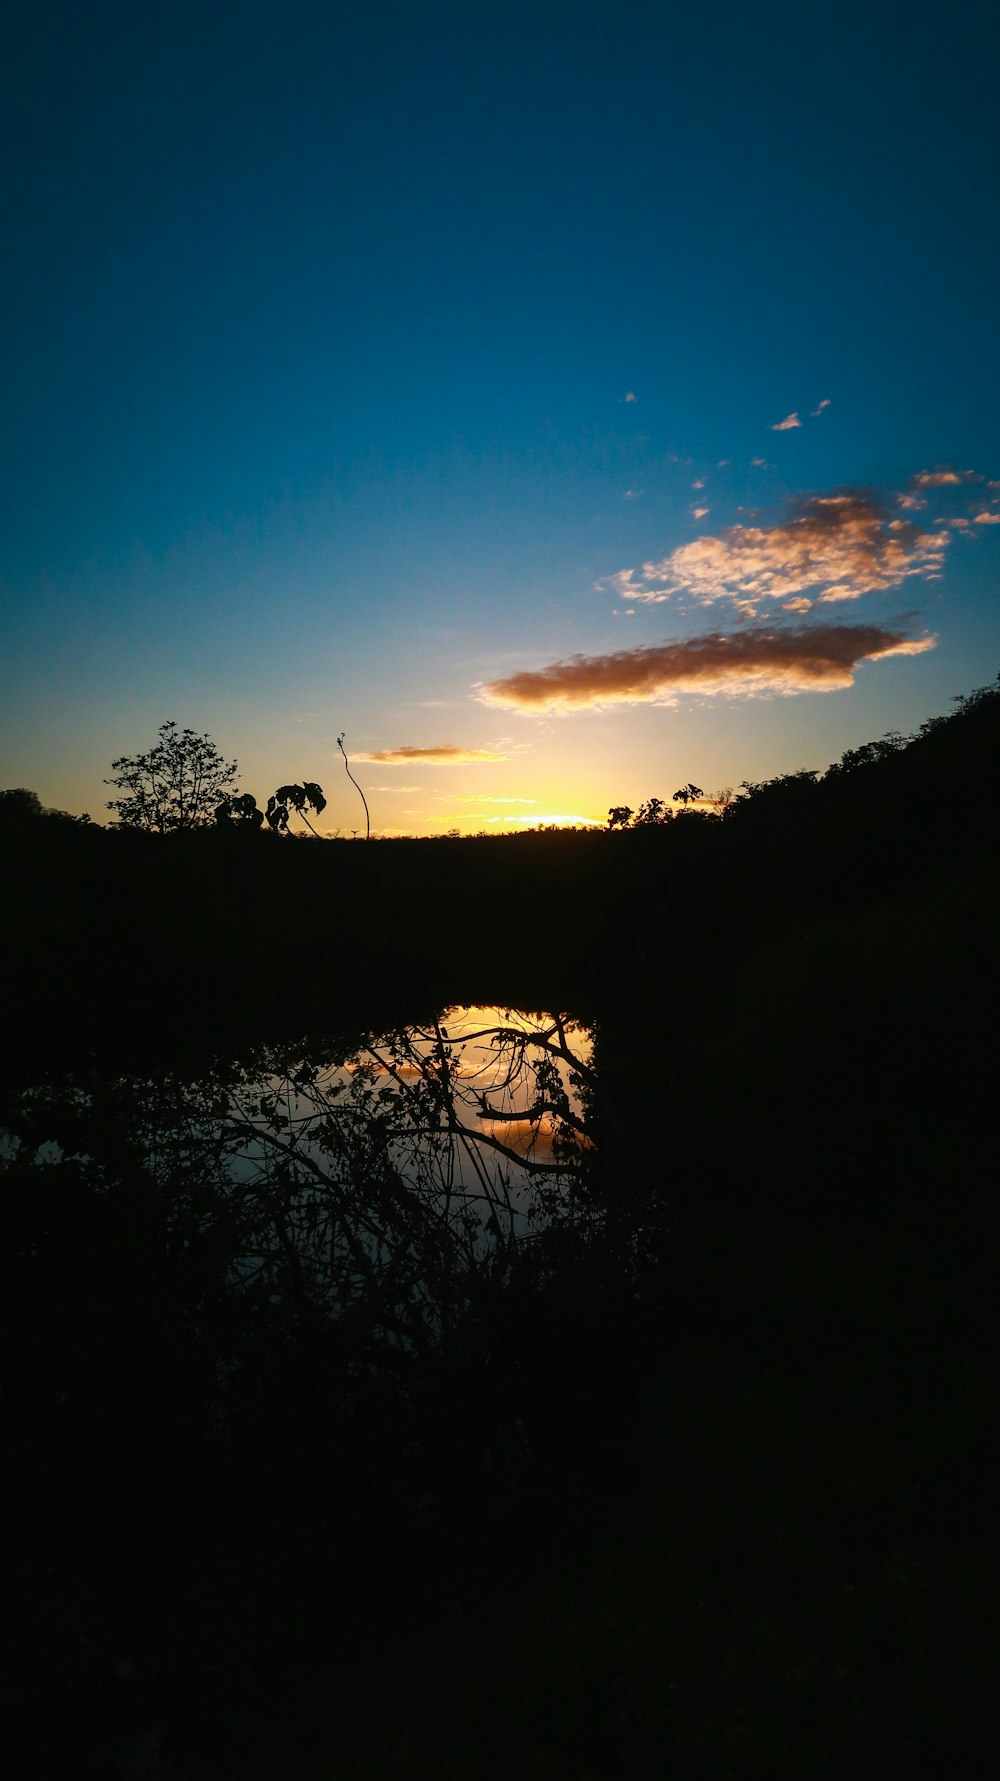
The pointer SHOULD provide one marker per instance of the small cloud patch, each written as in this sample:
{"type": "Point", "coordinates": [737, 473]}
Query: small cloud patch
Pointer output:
{"type": "Point", "coordinates": [448, 754]}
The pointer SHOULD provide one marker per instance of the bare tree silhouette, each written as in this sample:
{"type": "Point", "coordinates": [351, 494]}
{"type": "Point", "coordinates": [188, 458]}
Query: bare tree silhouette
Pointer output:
{"type": "Point", "coordinates": [361, 795]}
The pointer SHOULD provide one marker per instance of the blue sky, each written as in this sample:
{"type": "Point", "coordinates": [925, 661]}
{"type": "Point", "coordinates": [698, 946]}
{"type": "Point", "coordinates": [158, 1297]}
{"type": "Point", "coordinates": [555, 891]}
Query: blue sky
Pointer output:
{"type": "Point", "coordinates": [320, 333]}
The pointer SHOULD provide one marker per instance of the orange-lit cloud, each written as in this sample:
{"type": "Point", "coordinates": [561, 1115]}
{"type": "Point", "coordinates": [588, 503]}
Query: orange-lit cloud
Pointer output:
{"type": "Point", "coordinates": [821, 406]}
{"type": "Point", "coordinates": [820, 658]}
{"type": "Point", "coordinates": [936, 479]}
{"type": "Point", "coordinates": [699, 512]}
{"type": "Point", "coordinates": [987, 519]}
{"type": "Point", "coordinates": [447, 755]}
{"type": "Point", "coordinates": [785, 426]}
{"type": "Point", "coordinates": [844, 543]}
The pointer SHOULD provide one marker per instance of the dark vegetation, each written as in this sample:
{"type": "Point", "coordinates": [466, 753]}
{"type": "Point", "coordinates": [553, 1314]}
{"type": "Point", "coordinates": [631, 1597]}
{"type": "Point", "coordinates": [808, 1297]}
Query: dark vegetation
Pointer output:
{"type": "Point", "coordinates": [688, 1477]}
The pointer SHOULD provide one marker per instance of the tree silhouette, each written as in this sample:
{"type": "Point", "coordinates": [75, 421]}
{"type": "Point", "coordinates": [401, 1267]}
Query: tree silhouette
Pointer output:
{"type": "Point", "coordinates": [619, 816]}
{"type": "Point", "coordinates": [653, 813]}
{"type": "Point", "coordinates": [361, 795]}
{"type": "Point", "coordinates": [688, 794]}
{"type": "Point", "coordinates": [300, 798]}
{"type": "Point", "coordinates": [179, 784]}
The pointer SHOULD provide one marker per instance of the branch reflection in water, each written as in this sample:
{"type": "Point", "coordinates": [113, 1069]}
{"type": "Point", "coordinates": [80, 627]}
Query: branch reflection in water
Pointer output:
{"type": "Point", "coordinates": [377, 1186]}
{"type": "Point", "coordinates": [392, 1180]}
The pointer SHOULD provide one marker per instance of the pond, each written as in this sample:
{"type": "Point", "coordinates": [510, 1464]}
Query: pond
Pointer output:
{"type": "Point", "coordinates": [383, 1177]}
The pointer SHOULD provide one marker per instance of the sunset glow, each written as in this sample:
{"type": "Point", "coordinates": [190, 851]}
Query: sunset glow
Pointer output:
{"type": "Point", "coordinates": [383, 386]}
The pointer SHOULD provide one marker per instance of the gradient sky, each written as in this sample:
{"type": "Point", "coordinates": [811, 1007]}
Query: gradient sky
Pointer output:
{"type": "Point", "coordinates": [419, 372]}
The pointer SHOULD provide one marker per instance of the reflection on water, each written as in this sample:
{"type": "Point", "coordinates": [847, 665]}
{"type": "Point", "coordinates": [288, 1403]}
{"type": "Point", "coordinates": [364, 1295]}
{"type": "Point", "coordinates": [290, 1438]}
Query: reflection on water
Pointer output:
{"type": "Point", "coordinates": [514, 1080]}
{"type": "Point", "coordinates": [423, 1154]}
{"type": "Point", "coordinates": [377, 1180]}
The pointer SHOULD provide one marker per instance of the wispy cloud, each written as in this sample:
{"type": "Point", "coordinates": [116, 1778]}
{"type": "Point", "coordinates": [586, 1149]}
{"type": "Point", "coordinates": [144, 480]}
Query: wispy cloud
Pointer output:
{"type": "Point", "coordinates": [478, 798]}
{"type": "Point", "coordinates": [393, 788]}
{"type": "Point", "coordinates": [632, 494]}
{"type": "Point", "coordinates": [834, 547]}
{"type": "Point", "coordinates": [785, 426]}
{"type": "Point", "coordinates": [987, 519]}
{"type": "Point", "coordinates": [563, 819]}
{"type": "Point", "coordinates": [759, 463]}
{"type": "Point", "coordinates": [448, 754]}
{"type": "Point", "coordinates": [748, 663]}
{"type": "Point", "coordinates": [823, 405]}
{"type": "Point", "coordinates": [699, 512]}
{"type": "Point", "coordinates": [630, 396]}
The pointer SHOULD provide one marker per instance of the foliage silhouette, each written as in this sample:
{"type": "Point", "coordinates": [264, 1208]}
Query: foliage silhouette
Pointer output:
{"type": "Point", "coordinates": [297, 798]}
{"type": "Point", "coordinates": [239, 810]}
{"type": "Point", "coordinates": [688, 794]}
{"type": "Point", "coordinates": [652, 814]}
{"type": "Point", "coordinates": [22, 810]}
{"type": "Point", "coordinates": [19, 806]}
{"type": "Point", "coordinates": [178, 785]}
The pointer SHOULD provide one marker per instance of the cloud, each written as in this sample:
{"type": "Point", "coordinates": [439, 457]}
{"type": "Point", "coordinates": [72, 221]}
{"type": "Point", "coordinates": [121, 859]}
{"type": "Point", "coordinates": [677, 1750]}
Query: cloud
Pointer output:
{"type": "Point", "coordinates": [630, 396]}
{"type": "Point", "coordinates": [699, 483]}
{"type": "Point", "coordinates": [478, 798]}
{"type": "Point", "coordinates": [987, 519]}
{"type": "Point", "coordinates": [759, 463]}
{"type": "Point", "coordinates": [818, 658]}
{"type": "Point", "coordinates": [824, 404]}
{"type": "Point", "coordinates": [844, 543]}
{"type": "Point", "coordinates": [936, 479]}
{"type": "Point", "coordinates": [447, 755]}
{"type": "Point", "coordinates": [785, 426]}
{"type": "Point", "coordinates": [699, 512]}
{"type": "Point", "coordinates": [623, 584]}
{"type": "Point", "coordinates": [559, 818]}
{"type": "Point", "coordinates": [632, 494]}
{"type": "Point", "coordinates": [395, 788]}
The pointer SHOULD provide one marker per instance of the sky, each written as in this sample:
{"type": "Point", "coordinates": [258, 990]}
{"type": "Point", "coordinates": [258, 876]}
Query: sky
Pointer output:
{"type": "Point", "coordinates": [565, 402]}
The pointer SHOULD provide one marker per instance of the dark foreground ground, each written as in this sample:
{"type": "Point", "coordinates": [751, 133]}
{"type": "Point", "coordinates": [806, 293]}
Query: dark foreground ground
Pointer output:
{"type": "Point", "coordinates": [706, 1494]}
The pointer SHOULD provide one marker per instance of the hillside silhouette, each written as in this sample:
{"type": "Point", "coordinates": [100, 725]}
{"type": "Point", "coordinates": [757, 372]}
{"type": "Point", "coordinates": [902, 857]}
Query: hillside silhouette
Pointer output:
{"type": "Point", "coordinates": [114, 935]}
